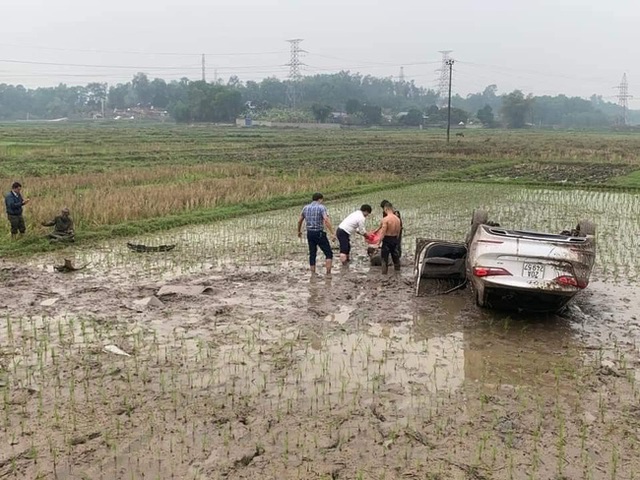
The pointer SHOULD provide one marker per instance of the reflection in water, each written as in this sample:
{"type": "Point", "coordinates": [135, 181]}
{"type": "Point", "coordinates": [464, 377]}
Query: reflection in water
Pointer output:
{"type": "Point", "coordinates": [349, 369]}
{"type": "Point", "coordinates": [319, 292]}
{"type": "Point", "coordinates": [414, 366]}
{"type": "Point", "coordinates": [519, 358]}
{"type": "Point", "coordinates": [389, 356]}
{"type": "Point", "coordinates": [502, 348]}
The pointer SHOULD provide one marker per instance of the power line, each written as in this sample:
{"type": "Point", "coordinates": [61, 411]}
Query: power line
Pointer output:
{"type": "Point", "coordinates": [368, 64]}
{"type": "Point", "coordinates": [82, 65]}
{"type": "Point", "coordinates": [294, 68]}
{"type": "Point", "coordinates": [371, 63]}
{"type": "Point", "coordinates": [521, 71]}
{"type": "Point", "coordinates": [156, 70]}
{"type": "Point", "coordinates": [120, 74]}
{"type": "Point", "coordinates": [334, 68]}
{"type": "Point", "coordinates": [130, 52]}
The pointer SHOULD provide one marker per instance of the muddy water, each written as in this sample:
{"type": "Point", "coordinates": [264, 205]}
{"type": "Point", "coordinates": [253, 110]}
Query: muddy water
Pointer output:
{"type": "Point", "coordinates": [279, 374]}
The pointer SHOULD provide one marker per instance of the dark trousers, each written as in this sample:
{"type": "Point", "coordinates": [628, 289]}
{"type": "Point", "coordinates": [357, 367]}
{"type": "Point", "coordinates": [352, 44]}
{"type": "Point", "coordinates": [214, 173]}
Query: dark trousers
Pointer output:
{"type": "Point", "coordinates": [345, 241]}
{"type": "Point", "coordinates": [318, 239]}
{"type": "Point", "coordinates": [390, 247]}
{"type": "Point", "coordinates": [17, 224]}
{"type": "Point", "coordinates": [61, 236]}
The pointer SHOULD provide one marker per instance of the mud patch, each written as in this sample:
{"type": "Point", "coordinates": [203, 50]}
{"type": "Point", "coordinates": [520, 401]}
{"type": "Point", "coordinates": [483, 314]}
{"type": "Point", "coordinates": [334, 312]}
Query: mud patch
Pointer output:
{"type": "Point", "coordinates": [278, 375]}
{"type": "Point", "coordinates": [564, 173]}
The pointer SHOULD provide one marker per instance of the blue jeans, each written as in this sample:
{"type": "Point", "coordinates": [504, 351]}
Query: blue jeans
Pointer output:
{"type": "Point", "coordinates": [318, 239]}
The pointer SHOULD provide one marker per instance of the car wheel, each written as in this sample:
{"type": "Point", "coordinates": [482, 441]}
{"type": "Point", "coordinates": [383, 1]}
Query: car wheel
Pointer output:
{"type": "Point", "coordinates": [586, 227]}
{"type": "Point", "coordinates": [478, 218]}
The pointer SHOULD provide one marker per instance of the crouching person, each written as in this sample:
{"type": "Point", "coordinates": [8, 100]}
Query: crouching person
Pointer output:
{"type": "Point", "coordinates": [62, 227]}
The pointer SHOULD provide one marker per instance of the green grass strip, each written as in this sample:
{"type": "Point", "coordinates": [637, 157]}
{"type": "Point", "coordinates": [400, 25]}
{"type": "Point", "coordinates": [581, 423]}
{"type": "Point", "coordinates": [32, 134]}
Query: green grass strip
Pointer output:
{"type": "Point", "coordinates": [32, 244]}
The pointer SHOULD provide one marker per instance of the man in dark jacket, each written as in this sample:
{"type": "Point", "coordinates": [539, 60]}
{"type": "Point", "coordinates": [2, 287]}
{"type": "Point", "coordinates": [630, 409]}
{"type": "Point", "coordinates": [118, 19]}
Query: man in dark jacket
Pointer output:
{"type": "Point", "coordinates": [62, 227]}
{"type": "Point", "coordinates": [14, 203]}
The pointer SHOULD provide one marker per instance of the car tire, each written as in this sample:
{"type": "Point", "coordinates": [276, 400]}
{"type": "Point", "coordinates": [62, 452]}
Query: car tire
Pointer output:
{"type": "Point", "coordinates": [479, 217]}
{"type": "Point", "coordinates": [586, 227]}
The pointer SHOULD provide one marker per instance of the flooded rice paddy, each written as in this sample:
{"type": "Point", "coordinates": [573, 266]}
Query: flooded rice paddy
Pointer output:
{"type": "Point", "coordinates": [265, 372]}
{"type": "Point", "coordinates": [435, 210]}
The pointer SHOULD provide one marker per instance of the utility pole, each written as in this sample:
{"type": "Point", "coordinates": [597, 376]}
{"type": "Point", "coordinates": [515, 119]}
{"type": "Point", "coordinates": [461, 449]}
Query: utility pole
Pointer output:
{"type": "Point", "coordinates": [105, 97]}
{"type": "Point", "coordinates": [204, 78]}
{"type": "Point", "coordinates": [450, 65]}
{"type": "Point", "coordinates": [294, 72]}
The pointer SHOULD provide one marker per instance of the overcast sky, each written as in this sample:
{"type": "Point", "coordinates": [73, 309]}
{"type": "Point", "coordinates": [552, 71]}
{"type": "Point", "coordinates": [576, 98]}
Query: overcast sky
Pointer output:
{"type": "Point", "coordinates": [577, 47]}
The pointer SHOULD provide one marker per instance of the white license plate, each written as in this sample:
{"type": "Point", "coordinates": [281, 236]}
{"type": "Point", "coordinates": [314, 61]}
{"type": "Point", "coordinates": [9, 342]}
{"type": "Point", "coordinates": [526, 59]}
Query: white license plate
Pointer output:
{"type": "Point", "coordinates": [533, 270]}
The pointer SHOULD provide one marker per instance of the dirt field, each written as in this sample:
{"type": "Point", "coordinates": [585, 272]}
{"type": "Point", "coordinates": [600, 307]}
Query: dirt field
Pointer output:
{"type": "Point", "coordinates": [266, 372]}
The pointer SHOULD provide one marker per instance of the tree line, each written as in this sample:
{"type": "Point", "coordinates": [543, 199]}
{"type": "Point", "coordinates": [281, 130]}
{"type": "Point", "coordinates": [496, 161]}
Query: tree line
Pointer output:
{"type": "Point", "coordinates": [339, 97]}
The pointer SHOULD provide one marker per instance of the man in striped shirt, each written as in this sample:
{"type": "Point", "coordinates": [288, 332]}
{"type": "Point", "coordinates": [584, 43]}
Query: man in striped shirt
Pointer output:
{"type": "Point", "coordinates": [316, 217]}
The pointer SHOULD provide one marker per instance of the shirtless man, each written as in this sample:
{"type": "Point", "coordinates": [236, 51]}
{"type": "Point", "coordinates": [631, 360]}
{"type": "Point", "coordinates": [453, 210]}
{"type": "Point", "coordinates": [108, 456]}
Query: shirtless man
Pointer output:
{"type": "Point", "coordinates": [390, 235]}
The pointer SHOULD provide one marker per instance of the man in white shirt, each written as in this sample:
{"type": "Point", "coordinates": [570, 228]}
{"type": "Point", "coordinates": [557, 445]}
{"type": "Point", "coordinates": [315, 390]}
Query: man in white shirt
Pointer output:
{"type": "Point", "coordinates": [354, 223]}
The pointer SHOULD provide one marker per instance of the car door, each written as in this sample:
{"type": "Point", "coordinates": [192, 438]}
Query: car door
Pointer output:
{"type": "Point", "coordinates": [439, 260]}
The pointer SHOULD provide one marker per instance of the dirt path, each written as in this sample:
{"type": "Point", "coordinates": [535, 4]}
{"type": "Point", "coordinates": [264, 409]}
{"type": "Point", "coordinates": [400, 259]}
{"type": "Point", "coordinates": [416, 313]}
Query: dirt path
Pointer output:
{"type": "Point", "coordinates": [271, 374]}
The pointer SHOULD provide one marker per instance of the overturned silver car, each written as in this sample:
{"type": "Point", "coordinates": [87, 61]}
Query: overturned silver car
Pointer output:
{"type": "Point", "coordinates": [509, 268]}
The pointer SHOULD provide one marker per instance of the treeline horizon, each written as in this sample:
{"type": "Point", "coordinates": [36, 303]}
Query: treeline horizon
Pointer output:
{"type": "Point", "coordinates": [359, 99]}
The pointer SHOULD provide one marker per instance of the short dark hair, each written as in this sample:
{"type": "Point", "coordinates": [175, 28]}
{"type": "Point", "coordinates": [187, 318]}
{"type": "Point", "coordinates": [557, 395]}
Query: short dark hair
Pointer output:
{"type": "Point", "coordinates": [384, 203]}
{"type": "Point", "coordinates": [16, 185]}
{"type": "Point", "coordinates": [365, 208]}
{"type": "Point", "coordinates": [317, 196]}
